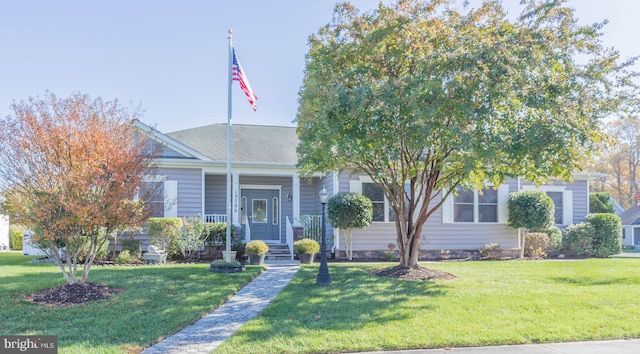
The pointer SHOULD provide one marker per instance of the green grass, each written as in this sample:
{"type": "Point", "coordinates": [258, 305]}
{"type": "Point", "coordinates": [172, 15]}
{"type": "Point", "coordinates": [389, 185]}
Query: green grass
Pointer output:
{"type": "Point", "coordinates": [490, 303]}
{"type": "Point", "coordinates": [158, 301]}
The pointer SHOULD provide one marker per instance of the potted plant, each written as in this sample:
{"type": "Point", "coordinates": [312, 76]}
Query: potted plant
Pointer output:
{"type": "Point", "coordinates": [221, 266]}
{"type": "Point", "coordinates": [256, 250]}
{"type": "Point", "coordinates": [306, 250]}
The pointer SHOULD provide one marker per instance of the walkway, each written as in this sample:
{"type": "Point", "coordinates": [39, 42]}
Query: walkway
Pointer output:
{"type": "Point", "coordinates": [210, 331]}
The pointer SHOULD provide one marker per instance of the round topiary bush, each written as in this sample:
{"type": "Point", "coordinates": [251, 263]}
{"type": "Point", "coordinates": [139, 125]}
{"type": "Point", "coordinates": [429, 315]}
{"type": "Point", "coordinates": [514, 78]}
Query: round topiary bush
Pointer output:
{"type": "Point", "coordinates": [256, 248]}
{"type": "Point", "coordinates": [306, 246]}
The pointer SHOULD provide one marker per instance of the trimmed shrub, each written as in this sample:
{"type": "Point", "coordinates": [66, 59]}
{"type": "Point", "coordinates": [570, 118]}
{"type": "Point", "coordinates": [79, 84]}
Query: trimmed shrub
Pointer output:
{"type": "Point", "coordinates": [307, 246]}
{"type": "Point", "coordinates": [536, 244]}
{"type": "Point", "coordinates": [15, 234]}
{"type": "Point", "coordinates": [491, 251]}
{"type": "Point", "coordinates": [124, 257]}
{"type": "Point", "coordinates": [577, 239]}
{"type": "Point", "coordinates": [347, 211]}
{"type": "Point", "coordinates": [133, 246]}
{"type": "Point", "coordinates": [532, 210]}
{"type": "Point", "coordinates": [607, 239]}
{"type": "Point", "coordinates": [256, 248]}
{"type": "Point", "coordinates": [165, 232]}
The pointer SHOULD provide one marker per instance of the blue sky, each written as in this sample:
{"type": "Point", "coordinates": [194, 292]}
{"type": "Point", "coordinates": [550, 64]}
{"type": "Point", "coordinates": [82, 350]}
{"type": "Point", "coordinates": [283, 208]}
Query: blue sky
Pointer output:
{"type": "Point", "coordinates": [171, 57]}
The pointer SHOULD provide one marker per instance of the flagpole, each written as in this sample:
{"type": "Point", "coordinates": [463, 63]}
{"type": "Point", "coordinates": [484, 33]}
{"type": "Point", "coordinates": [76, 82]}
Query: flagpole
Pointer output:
{"type": "Point", "coordinates": [228, 248]}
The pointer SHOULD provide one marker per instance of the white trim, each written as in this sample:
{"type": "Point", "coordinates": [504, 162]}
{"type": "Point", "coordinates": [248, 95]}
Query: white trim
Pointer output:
{"type": "Point", "coordinates": [154, 178]}
{"type": "Point", "coordinates": [170, 142]}
{"type": "Point", "coordinates": [260, 186]}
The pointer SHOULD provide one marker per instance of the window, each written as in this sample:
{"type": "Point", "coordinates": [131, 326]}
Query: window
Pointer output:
{"type": "Point", "coordinates": [260, 211]}
{"type": "Point", "coordinates": [382, 211]}
{"type": "Point", "coordinates": [557, 202]}
{"type": "Point", "coordinates": [476, 207]}
{"type": "Point", "coordinates": [275, 211]}
{"type": "Point", "coordinates": [153, 194]}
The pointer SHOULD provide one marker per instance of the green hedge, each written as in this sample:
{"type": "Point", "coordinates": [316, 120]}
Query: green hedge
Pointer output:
{"type": "Point", "coordinates": [15, 234]}
{"type": "Point", "coordinates": [165, 231]}
{"type": "Point", "coordinates": [607, 239]}
{"type": "Point", "coordinates": [578, 239]}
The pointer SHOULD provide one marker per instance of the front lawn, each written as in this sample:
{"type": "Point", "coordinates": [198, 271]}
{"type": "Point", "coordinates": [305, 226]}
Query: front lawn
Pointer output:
{"type": "Point", "coordinates": [158, 301]}
{"type": "Point", "coordinates": [490, 303]}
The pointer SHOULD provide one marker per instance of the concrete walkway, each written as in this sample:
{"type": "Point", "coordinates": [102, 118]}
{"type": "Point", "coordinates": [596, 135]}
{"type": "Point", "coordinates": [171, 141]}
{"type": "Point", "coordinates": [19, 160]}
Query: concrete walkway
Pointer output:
{"type": "Point", "coordinates": [209, 332]}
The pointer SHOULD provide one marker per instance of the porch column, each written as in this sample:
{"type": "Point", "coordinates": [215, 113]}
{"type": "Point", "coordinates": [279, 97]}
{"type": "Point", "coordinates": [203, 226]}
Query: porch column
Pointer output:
{"type": "Point", "coordinates": [296, 198]}
{"type": "Point", "coordinates": [236, 199]}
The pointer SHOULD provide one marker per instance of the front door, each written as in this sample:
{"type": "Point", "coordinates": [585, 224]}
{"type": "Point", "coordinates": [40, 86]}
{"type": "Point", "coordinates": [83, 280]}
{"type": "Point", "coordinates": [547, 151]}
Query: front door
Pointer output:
{"type": "Point", "coordinates": [261, 214]}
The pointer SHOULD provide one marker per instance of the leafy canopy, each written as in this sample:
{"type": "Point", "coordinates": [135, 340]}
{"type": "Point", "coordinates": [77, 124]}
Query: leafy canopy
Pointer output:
{"type": "Point", "coordinates": [435, 96]}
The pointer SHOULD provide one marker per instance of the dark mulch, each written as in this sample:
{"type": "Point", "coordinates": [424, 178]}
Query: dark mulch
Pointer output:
{"type": "Point", "coordinates": [74, 294]}
{"type": "Point", "coordinates": [420, 273]}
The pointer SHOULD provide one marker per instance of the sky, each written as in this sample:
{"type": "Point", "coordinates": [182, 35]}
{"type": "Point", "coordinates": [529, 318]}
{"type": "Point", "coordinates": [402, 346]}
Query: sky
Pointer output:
{"type": "Point", "coordinates": [170, 58]}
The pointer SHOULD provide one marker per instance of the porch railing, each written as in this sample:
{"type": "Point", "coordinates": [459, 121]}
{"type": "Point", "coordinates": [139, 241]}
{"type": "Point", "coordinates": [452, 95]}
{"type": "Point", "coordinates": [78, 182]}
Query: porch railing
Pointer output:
{"type": "Point", "coordinates": [215, 217]}
{"type": "Point", "coordinates": [289, 234]}
{"type": "Point", "coordinates": [312, 227]}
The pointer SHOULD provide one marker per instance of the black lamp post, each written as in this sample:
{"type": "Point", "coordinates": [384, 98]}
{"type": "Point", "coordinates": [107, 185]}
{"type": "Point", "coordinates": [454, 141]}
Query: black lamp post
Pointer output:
{"type": "Point", "coordinates": [324, 278]}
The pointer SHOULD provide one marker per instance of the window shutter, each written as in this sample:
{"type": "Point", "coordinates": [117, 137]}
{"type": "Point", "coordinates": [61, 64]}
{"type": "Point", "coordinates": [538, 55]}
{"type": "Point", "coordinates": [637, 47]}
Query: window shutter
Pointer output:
{"type": "Point", "coordinates": [447, 209]}
{"type": "Point", "coordinates": [170, 199]}
{"type": "Point", "coordinates": [503, 200]}
{"type": "Point", "coordinates": [355, 187]}
{"type": "Point", "coordinates": [567, 207]}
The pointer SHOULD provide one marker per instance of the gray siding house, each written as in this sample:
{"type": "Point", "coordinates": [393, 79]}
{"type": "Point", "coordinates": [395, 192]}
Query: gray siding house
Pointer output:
{"type": "Point", "coordinates": [270, 199]}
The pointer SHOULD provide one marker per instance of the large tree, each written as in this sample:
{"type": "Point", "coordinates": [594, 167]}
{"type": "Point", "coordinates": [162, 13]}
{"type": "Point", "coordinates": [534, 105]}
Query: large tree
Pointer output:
{"type": "Point", "coordinates": [434, 97]}
{"type": "Point", "coordinates": [620, 160]}
{"type": "Point", "coordinates": [74, 167]}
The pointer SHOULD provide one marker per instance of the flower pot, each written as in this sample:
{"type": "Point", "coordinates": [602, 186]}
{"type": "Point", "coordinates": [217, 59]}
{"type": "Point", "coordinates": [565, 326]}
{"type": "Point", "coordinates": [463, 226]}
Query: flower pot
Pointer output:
{"type": "Point", "coordinates": [233, 256]}
{"type": "Point", "coordinates": [306, 258]}
{"type": "Point", "coordinates": [256, 259]}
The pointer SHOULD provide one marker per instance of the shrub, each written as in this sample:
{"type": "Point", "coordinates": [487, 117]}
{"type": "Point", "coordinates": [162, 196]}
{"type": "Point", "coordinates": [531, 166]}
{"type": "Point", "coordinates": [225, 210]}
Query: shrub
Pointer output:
{"type": "Point", "coordinates": [124, 257]}
{"type": "Point", "coordinates": [216, 233]}
{"type": "Point", "coordinates": [532, 210]}
{"type": "Point", "coordinates": [165, 232]}
{"type": "Point", "coordinates": [307, 246]}
{"type": "Point", "coordinates": [600, 202]}
{"type": "Point", "coordinates": [225, 264]}
{"type": "Point", "coordinates": [491, 251]}
{"type": "Point", "coordinates": [555, 238]}
{"type": "Point", "coordinates": [256, 248]}
{"type": "Point", "coordinates": [536, 244]}
{"type": "Point", "coordinates": [607, 239]}
{"type": "Point", "coordinates": [133, 246]}
{"type": "Point", "coordinates": [191, 237]}
{"type": "Point", "coordinates": [577, 239]}
{"type": "Point", "coordinates": [15, 234]}
{"type": "Point", "coordinates": [103, 252]}
{"type": "Point", "coordinates": [348, 211]}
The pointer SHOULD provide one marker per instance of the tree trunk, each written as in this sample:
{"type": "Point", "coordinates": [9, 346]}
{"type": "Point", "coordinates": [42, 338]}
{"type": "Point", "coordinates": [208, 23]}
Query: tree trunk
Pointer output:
{"type": "Point", "coordinates": [409, 257]}
{"type": "Point", "coordinates": [523, 237]}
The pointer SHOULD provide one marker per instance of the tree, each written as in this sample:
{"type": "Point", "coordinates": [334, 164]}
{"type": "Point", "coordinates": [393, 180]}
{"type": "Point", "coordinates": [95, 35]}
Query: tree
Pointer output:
{"type": "Point", "coordinates": [348, 211]}
{"type": "Point", "coordinates": [74, 167]}
{"type": "Point", "coordinates": [431, 97]}
{"type": "Point", "coordinates": [600, 202]}
{"type": "Point", "coordinates": [530, 210]}
{"type": "Point", "coordinates": [620, 160]}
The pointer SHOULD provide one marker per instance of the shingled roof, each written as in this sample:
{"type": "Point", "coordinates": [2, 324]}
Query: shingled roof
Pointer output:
{"type": "Point", "coordinates": [631, 216]}
{"type": "Point", "coordinates": [250, 143]}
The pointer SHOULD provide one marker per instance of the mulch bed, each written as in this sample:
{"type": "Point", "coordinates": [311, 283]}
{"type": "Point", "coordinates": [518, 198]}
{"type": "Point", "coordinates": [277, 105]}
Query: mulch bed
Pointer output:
{"type": "Point", "coordinates": [420, 273]}
{"type": "Point", "coordinates": [74, 294]}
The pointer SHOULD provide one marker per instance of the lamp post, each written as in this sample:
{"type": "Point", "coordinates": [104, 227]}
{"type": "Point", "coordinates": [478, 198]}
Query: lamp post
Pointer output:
{"type": "Point", "coordinates": [324, 278]}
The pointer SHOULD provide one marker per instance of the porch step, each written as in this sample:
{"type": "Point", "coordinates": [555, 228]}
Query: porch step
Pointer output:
{"type": "Point", "coordinates": [278, 251]}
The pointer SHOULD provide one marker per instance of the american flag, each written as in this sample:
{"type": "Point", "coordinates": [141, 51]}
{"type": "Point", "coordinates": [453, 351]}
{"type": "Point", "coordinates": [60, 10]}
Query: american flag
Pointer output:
{"type": "Point", "coordinates": [239, 75]}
